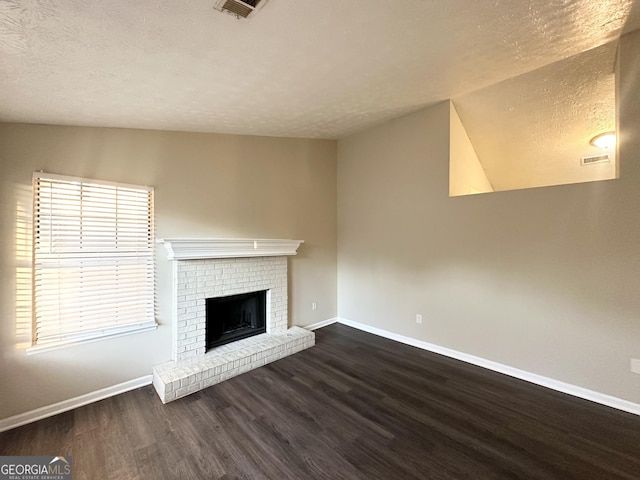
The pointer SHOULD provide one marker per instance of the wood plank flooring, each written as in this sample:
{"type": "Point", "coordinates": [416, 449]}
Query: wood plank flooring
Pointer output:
{"type": "Point", "coordinates": [355, 406]}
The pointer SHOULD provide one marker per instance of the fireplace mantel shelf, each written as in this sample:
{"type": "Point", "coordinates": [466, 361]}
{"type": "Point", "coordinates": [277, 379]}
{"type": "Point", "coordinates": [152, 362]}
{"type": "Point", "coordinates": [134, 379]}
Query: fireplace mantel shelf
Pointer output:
{"type": "Point", "coordinates": [201, 248]}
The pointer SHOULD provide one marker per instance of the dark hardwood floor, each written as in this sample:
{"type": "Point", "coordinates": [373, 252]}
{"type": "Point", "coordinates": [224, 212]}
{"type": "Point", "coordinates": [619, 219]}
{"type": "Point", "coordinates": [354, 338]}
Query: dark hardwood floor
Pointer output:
{"type": "Point", "coordinates": [354, 406]}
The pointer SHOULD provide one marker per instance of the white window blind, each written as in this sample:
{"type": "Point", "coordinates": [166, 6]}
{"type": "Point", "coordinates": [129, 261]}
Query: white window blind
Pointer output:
{"type": "Point", "coordinates": [93, 259]}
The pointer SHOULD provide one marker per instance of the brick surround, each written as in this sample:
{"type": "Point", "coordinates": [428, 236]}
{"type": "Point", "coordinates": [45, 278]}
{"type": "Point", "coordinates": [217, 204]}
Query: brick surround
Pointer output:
{"type": "Point", "coordinates": [197, 280]}
{"type": "Point", "coordinates": [236, 268]}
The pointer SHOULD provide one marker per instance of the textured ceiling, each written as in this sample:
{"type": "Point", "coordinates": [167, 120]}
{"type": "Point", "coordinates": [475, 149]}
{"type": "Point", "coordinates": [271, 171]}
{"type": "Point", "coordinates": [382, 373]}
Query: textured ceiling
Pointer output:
{"type": "Point", "coordinates": [532, 130]}
{"type": "Point", "coordinates": [298, 68]}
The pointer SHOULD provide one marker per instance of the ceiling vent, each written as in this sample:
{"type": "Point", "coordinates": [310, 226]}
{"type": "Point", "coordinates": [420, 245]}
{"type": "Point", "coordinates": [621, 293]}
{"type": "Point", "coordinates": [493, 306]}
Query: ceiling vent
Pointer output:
{"type": "Point", "coordinates": [595, 159]}
{"type": "Point", "coordinates": [239, 8]}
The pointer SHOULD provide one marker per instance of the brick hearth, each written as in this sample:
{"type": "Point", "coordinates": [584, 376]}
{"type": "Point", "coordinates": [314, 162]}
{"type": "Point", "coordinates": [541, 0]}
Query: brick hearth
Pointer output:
{"type": "Point", "coordinates": [196, 279]}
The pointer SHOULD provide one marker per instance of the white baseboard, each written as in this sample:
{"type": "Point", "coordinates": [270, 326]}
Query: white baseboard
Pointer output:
{"type": "Point", "coordinates": [66, 405]}
{"type": "Point", "coordinates": [324, 323]}
{"type": "Point", "coordinates": [559, 386]}
{"type": "Point", "coordinates": [580, 392]}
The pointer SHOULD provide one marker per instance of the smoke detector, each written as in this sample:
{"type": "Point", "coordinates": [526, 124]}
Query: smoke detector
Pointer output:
{"type": "Point", "coordinates": [239, 8]}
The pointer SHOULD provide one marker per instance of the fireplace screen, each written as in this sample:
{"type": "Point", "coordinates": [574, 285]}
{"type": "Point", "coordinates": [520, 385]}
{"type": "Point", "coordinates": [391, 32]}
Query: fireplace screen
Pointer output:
{"type": "Point", "coordinates": [235, 317]}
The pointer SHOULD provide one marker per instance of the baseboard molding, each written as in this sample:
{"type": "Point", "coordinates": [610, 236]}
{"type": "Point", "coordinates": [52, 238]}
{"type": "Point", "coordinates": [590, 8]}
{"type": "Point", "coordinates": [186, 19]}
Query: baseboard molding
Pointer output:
{"type": "Point", "coordinates": [66, 405]}
{"type": "Point", "coordinates": [580, 392]}
{"type": "Point", "coordinates": [559, 386]}
{"type": "Point", "coordinates": [324, 323]}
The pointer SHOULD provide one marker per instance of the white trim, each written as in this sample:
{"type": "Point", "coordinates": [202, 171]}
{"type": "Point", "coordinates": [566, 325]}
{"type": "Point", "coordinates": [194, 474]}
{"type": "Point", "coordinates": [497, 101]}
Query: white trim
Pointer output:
{"type": "Point", "coordinates": [66, 405]}
{"type": "Point", "coordinates": [580, 392]}
{"type": "Point", "coordinates": [597, 397]}
{"type": "Point", "coordinates": [95, 337]}
{"type": "Point", "coordinates": [70, 179]}
{"type": "Point", "coordinates": [200, 248]}
{"type": "Point", "coordinates": [324, 323]}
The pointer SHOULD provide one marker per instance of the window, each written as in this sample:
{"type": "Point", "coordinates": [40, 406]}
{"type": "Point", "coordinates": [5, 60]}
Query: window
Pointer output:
{"type": "Point", "coordinates": [93, 263]}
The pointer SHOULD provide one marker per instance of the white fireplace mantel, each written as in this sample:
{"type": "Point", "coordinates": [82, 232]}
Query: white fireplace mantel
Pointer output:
{"type": "Point", "coordinates": [201, 248]}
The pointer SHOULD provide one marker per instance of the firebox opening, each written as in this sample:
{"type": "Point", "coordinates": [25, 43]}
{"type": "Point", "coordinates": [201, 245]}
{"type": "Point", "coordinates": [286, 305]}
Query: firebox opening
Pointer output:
{"type": "Point", "coordinates": [235, 317]}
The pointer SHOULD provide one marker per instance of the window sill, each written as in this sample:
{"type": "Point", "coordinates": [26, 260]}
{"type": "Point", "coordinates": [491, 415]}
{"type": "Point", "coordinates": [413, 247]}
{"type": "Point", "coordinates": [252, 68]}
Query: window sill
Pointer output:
{"type": "Point", "coordinates": [35, 349]}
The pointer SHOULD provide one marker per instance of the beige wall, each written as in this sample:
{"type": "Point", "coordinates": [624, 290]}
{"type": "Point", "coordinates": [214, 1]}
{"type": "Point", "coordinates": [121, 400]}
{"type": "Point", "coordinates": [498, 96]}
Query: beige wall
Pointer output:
{"type": "Point", "coordinates": [466, 174]}
{"type": "Point", "coordinates": [206, 185]}
{"type": "Point", "coordinates": [546, 280]}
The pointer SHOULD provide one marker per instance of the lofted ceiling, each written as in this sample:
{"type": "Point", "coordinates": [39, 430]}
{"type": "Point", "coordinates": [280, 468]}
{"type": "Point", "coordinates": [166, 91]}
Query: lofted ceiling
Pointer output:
{"type": "Point", "coordinates": [532, 130]}
{"type": "Point", "coordinates": [298, 68]}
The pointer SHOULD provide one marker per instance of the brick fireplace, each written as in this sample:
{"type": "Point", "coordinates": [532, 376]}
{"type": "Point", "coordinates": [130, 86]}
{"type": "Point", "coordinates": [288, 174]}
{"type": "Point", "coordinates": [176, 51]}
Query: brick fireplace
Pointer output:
{"type": "Point", "coordinates": [212, 268]}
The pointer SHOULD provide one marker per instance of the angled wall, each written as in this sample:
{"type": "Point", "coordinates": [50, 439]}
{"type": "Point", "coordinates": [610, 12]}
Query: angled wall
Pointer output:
{"type": "Point", "coordinates": [466, 174]}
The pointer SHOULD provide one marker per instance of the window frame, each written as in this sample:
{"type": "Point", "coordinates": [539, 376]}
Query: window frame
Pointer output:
{"type": "Point", "coordinates": [136, 256]}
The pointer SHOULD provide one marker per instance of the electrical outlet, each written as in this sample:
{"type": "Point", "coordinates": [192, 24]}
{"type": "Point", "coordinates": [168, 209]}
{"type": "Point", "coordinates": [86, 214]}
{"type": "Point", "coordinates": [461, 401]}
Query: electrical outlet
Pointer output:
{"type": "Point", "coordinates": [418, 318]}
{"type": "Point", "coordinates": [314, 305]}
{"type": "Point", "coordinates": [635, 365]}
